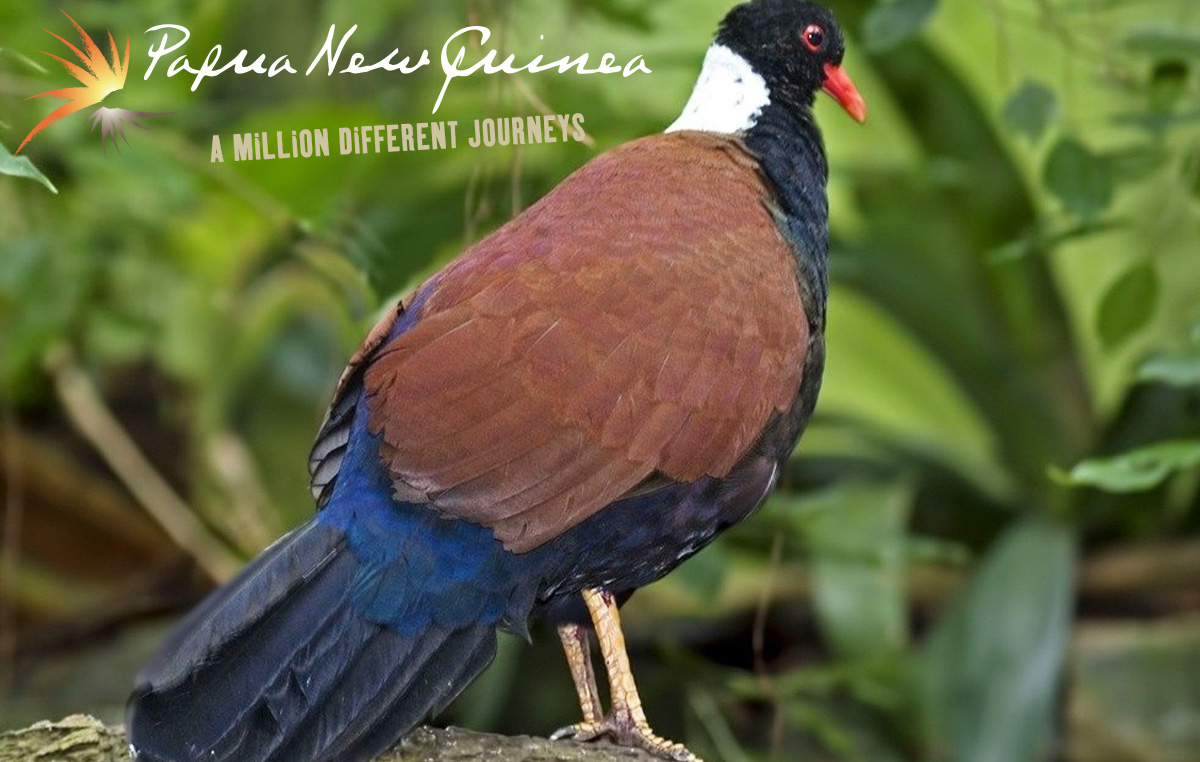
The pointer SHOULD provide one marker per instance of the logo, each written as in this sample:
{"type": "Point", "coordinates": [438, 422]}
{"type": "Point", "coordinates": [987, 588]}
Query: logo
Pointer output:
{"type": "Point", "coordinates": [99, 78]}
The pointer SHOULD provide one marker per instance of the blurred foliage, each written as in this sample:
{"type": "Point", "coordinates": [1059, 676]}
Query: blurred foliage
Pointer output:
{"type": "Point", "coordinates": [1011, 408]}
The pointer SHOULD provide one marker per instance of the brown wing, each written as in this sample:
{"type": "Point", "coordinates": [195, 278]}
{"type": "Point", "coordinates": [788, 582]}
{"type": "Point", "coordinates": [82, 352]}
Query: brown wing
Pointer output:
{"type": "Point", "coordinates": [643, 317]}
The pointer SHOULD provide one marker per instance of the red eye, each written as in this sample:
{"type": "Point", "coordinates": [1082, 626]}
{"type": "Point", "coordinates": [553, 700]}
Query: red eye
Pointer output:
{"type": "Point", "coordinates": [814, 37]}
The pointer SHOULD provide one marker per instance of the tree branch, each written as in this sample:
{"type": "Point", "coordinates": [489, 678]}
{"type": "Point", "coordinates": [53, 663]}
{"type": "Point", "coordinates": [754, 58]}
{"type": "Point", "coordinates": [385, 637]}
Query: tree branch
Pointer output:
{"type": "Point", "coordinates": [86, 409]}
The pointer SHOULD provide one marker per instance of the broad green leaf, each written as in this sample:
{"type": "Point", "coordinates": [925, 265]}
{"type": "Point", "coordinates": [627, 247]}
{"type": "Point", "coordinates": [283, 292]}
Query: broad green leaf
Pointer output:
{"type": "Point", "coordinates": [1161, 41]}
{"type": "Point", "coordinates": [992, 664]}
{"type": "Point", "coordinates": [1080, 179]}
{"type": "Point", "coordinates": [857, 541]}
{"type": "Point", "coordinates": [1031, 109]}
{"type": "Point", "coordinates": [1137, 470]}
{"type": "Point", "coordinates": [1175, 371]}
{"type": "Point", "coordinates": [885, 380]}
{"type": "Point", "coordinates": [1128, 305]}
{"type": "Point", "coordinates": [21, 166]}
{"type": "Point", "coordinates": [890, 23]}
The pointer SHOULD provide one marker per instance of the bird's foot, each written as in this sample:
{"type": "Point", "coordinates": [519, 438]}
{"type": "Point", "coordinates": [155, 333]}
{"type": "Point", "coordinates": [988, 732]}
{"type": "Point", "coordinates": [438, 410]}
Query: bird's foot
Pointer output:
{"type": "Point", "coordinates": [624, 730]}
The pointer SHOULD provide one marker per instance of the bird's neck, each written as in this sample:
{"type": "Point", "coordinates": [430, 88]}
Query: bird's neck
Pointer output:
{"type": "Point", "coordinates": [728, 97]}
{"type": "Point", "coordinates": [792, 156]}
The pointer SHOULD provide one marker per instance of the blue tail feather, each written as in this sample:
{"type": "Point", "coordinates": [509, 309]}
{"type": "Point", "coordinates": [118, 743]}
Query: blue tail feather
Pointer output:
{"type": "Point", "coordinates": [306, 675]}
{"type": "Point", "coordinates": [339, 638]}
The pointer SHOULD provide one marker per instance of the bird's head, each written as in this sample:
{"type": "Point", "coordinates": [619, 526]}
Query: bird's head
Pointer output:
{"type": "Point", "coordinates": [796, 47]}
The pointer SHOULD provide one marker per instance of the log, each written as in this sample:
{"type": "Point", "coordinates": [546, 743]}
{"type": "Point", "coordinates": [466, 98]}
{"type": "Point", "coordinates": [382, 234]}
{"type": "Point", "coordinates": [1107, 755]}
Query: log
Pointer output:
{"type": "Point", "coordinates": [80, 738]}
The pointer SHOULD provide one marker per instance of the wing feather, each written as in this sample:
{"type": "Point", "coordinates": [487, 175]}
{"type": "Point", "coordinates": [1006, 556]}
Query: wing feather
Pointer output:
{"type": "Point", "coordinates": [643, 321]}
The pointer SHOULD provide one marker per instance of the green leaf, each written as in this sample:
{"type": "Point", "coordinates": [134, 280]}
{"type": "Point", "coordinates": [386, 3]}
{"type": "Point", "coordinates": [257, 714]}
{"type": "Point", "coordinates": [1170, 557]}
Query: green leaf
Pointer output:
{"type": "Point", "coordinates": [1080, 179]}
{"type": "Point", "coordinates": [1046, 240]}
{"type": "Point", "coordinates": [704, 573]}
{"type": "Point", "coordinates": [857, 541]}
{"type": "Point", "coordinates": [1174, 371]}
{"type": "Point", "coordinates": [21, 166]}
{"type": "Point", "coordinates": [886, 380]}
{"type": "Point", "coordinates": [25, 60]}
{"type": "Point", "coordinates": [1194, 183]}
{"type": "Point", "coordinates": [624, 14]}
{"type": "Point", "coordinates": [1128, 305]}
{"type": "Point", "coordinates": [1137, 470]}
{"type": "Point", "coordinates": [112, 337]}
{"type": "Point", "coordinates": [1160, 41]}
{"type": "Point", "coordinates": [890, 23]}
{"type": "Point", "coordinates": [1168, 81]}
{"type": "Point", "coordinates": [937, 550]}
{"type": "Point", "coordinates": [1135, 162]}
{"type": "Point", "coordinates": [1031, 109]}
{"type": "Point", "coordinates": [994, 659]}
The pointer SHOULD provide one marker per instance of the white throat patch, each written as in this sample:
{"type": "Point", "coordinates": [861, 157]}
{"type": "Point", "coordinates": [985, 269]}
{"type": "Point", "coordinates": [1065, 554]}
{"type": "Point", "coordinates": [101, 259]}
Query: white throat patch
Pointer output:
{"type": "Point", "coordinates": [728, 97]}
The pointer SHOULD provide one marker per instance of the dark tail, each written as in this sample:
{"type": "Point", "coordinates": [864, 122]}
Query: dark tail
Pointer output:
{"type": "Point", "coordinates": [277, 666]}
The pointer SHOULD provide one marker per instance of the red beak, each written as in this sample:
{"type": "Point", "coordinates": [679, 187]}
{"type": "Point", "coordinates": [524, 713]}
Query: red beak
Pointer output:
{"type": "Point", "coordinates": [838, 84]}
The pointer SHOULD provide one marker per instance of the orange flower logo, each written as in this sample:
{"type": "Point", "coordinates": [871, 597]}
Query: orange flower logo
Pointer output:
{"type": "Point", "coordinates": [99, 78]}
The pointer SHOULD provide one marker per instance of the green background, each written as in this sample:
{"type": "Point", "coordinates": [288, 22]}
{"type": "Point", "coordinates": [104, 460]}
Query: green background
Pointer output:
{"type": "Point", "coordinates": [986, 547]}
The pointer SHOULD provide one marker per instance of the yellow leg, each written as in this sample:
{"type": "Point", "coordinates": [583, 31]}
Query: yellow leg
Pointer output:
{"type": "Point", "coordinates": [577, 646]}
{"type": "Point", "coordinates": [627, 723]}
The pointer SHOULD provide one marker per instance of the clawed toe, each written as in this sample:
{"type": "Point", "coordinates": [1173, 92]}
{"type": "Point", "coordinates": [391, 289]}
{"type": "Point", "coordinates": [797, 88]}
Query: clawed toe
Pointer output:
{"type": "Point", "coordinates": [625, 731]}
{"type": "Point", "coordinates": [580, 731]}
{"type": "Point", "coordinates": [660, 747]}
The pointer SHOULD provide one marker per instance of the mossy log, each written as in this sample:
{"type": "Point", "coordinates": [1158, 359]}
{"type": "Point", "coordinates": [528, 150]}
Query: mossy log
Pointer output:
{"type": "Point", "coordinates": [80, 738]}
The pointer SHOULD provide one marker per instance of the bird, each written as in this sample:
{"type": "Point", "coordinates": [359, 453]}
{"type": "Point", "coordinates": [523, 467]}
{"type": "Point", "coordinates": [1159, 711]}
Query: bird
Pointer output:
{"type": "Point", "coordinates": [560, 416]}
